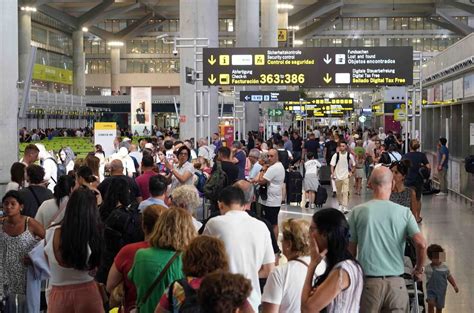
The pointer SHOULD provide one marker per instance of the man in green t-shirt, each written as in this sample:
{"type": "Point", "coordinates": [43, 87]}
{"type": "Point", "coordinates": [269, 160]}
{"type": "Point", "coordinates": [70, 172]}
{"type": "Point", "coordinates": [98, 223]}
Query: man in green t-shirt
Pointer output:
{"type": "Point", "coordinates": [379, 229]}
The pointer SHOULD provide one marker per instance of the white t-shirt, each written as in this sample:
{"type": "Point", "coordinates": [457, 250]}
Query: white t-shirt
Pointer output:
{"type": "Point", "coordinates": [285, 284]}
{"type": "Point", "coordinates": [50, 172]}
{"type": "Point", "coordinates": [12, 186]}
{"type": "Point", "coordinates": [48, 209]}
{"type": "Point", "coordinates": [312, 167]}
{"type": "Point", "coordinates": [275, 175]}
{"type": "Point", "coordinates": [394, 156]}
{"type": "Point", "coordinates": [341, 170]}
{"type": "Point", "coordinates": [187, 167]}
{"type": "Point", "coordinates": [248, 245]}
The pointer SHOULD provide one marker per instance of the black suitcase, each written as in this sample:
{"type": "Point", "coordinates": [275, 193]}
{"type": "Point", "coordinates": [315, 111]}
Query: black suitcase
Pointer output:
{"type": "Point", "coordinates": [321, 196]}
{"type": "Point", "coordinates": [294, 187]}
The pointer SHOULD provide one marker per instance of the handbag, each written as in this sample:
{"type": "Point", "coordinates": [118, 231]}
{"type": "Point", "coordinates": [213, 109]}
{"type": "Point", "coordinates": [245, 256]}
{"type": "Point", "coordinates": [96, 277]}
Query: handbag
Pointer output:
{"type": "Point", "coordinates": [117, 296]}
{"type": "Point", "coordinates": [263, 192]}
{"type": "Point", "coordinates": [155, 283]}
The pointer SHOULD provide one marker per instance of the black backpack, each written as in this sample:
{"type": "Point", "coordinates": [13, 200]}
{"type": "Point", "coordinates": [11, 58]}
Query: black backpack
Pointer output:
{"type": "Point", "coordinates": [60, 170]}
{"type": "Point", "coordinates": [469, 165]}
{"type": "Point", "coordinates": [123, 226]}
{"type": "Point", "coordinates": [191, 303]}
{"type": "Point", "coordinates": [385, 159]}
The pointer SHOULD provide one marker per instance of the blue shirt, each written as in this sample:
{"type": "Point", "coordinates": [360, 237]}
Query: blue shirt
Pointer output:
{"type": "Point", "coordinates": [443, 151]}
{"type": "Point", "coordinates": [150, 201]}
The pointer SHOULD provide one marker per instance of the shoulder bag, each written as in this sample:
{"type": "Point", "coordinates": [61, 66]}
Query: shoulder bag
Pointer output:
{"type": "Point", "coordinates": [148, 293]}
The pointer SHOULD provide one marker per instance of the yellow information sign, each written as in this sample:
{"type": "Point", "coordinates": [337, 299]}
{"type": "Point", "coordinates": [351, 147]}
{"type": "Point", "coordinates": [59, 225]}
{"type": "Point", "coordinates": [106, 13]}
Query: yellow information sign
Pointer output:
{"type": "Point", "coordinates": [105, 126]}
{"type": "Point", "coordinates": [52, 74]}
{"type": "Point", "coordinates": [282, 35]}
{"type": "Point", "coordinates": [400, 115]}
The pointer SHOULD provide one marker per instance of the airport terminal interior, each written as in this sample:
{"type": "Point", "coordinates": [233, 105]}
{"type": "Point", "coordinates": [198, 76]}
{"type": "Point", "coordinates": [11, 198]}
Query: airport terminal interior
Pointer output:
{"type": "Point", "coordinates": [344, 128]}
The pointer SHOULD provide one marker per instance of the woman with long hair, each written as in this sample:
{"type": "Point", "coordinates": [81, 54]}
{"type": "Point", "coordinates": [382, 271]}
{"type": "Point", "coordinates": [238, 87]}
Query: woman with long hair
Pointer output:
{"type": "Point", "coordinates": [93, 163]}
{"type": "Point", "coordinates": [66, 159]}
{"type": "Point", "coordinates": [17, 177]}
{"type": "Point", "coordinates": [171, 235]}
{"type": "Point", "coordinates": [74, 248]}
{"type": "Point", "coordinates": [400, 193]}
{"type": "Point", "coordinates": [340, 287]}
{"type": "Point", "coordinates": [124, 260]}
{"type": "Point", "coordinates": [204, 255]}
{"type": "Point", "coordinates": [118, 195]}
{"type": "Point", "coordinates": [52, 210]}
{"type": "Point", "coordinates": [18, 236]}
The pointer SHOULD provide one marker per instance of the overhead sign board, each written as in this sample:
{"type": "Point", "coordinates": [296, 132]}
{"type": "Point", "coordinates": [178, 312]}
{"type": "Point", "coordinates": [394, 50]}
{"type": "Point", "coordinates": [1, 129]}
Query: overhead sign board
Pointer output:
{"type": "Point", "coordinates": [269, 96]}
{"type": "Point", "coordinates": [322, 107]}
{"type": "Point", "coordinates": [309, 67]}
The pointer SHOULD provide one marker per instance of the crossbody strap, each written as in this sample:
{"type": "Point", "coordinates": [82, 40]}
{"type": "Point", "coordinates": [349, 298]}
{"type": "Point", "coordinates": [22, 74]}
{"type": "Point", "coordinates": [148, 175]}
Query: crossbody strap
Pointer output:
{"type": "Point", "coordinates": [30, 188]}
{"type": "Point", "coordinates": [301, 261]}
{"type": "Point", "coordinates": [157, 280]}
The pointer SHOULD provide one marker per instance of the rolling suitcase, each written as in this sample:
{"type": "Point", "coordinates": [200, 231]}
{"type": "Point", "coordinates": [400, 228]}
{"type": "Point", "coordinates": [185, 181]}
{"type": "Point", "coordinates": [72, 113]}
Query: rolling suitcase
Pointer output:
{"type": "Point", "coordinates": [294, 187]}
{"type": "Point", "coordinates": [321, 196]}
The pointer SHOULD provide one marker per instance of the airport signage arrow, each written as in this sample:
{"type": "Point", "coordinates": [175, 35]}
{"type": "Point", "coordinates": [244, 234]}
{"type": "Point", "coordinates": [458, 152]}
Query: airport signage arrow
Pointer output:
{"type": "Point", "coordinates": [269, 96]}
{"type": "Point", "coordinates": [327, 59]}
{"type": "Point", "coordinates": [309, 67]}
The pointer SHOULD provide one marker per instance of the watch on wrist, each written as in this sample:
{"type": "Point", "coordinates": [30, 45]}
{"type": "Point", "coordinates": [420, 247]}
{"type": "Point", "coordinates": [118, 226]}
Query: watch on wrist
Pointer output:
{"type": "Point", "coordinates": [420, 270]}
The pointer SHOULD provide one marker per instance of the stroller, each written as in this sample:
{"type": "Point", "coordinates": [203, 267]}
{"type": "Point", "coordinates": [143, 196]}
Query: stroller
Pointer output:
{"type": "Point", "coordinates": [415, 288]}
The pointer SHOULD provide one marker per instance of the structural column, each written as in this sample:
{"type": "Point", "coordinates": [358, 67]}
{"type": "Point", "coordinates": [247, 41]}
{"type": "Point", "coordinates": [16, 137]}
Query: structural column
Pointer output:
{"type": "Point", "coordinates": [383, 26]}
{"type": "Point", "coordinates": [114, 70]}
{"type": "Point", "coordinates": [78, 60]}
{"type": "Point", "coordinates": [197, 19]}
{"type": "Point", "coordinates": [24, 41]}
{"type": "Point", "coordinates": [247, 34]}
{"type": "Point", "coordinates": [8, 88]}
{"type": "Point", "coordinates": [269, 23]}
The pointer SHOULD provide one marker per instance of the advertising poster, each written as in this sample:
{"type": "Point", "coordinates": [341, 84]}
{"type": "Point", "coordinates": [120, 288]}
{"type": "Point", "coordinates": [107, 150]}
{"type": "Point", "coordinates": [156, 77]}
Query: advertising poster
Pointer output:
{"type": "Point", "coordinates": [469, 85]}
{"type": "Point", "coordinates": [141, 111]}
{"type": "Point", "coordinates": [458, 92]}
{"type": "Point", "coordinates": [104, 135]}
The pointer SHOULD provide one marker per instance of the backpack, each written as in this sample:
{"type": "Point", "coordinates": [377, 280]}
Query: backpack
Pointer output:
{"type": "Point", "coordinates": [348, 160]}
{"type": "Point", "coordinates": [123, 226]}
{"type": "Point", "coordinates": [469, 165]}
{"type": "Point", "coordinates": [60, 170]}
{"type": "Point", "coordinates": [385, 159]}
{"type": "Point", "coordinates": [284, 158]}
{"type": "Point", "coordinates": [191, 303]}
{"type": "Point", "coordinates": [201, 181]}
{"type": "Point", "coordinates": [215, 183]}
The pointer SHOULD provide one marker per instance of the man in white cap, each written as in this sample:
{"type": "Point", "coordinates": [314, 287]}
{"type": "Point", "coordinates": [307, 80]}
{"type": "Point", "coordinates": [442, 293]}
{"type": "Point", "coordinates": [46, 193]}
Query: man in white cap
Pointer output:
{"type": "Point", "coordinates": [127, 161]}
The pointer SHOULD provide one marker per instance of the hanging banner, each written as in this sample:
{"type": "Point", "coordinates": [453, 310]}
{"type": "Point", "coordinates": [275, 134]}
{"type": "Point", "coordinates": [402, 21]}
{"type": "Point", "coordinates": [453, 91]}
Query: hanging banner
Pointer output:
{"type": "Point", "coordinates": [104, 135]}
{"type": "Point", "coordinates": [141, 111]}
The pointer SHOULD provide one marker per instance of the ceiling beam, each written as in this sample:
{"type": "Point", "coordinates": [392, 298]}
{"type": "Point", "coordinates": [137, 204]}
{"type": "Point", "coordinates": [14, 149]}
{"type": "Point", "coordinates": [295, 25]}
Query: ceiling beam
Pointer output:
{"type": "Point", "coordinates": [309, 31]}
{"type": "Point", "coordinates": [119, 11]}
{"type": "Point", "coordinates": [313, 11]}
{"type": "Point", "coordinates": [134, 27]}
{"type": "Point", "coordinates": [59, 15]}
{"type": "Point", "coordinates": [90, 17]}
{"type": "Point", "coordinates": [462, 6]}
{"type": "Point", "coordinates": [462, 28]}
{"type": "Point", "coordinates": [444, 25]}
{"type": "Point", "coordinates": [99, 32]}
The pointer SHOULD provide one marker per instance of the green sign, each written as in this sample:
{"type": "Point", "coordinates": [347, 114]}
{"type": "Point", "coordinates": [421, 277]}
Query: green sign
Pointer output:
{"type": "Point", "coordinates": [275, 112]}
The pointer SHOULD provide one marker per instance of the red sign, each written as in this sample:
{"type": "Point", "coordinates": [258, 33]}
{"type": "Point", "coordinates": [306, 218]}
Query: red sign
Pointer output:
{"type": "Point", "coordinates": [229, 135]}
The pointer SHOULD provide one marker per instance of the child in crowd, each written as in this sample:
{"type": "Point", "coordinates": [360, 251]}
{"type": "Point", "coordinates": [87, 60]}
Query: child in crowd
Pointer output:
{"type": "Point", "coordinates": [437, 277]}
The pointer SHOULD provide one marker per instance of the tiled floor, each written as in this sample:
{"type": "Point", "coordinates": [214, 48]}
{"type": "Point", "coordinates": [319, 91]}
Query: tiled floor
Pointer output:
{"type": "Point", "coordinates": [446, 221]}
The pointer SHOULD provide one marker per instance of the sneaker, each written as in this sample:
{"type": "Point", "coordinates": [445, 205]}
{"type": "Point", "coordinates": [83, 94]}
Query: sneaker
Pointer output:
{"type": "Point", "coordinates": [306, 205]}
{"type": "Point", "coordinates": [334, 194]}
{"type": "Point", "coordinates": [441, 194]}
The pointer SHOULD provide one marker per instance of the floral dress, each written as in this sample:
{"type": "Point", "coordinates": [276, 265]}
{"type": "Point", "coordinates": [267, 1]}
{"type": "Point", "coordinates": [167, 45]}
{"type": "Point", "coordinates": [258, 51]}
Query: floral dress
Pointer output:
{"type": "Point", "coordinates": [12, 251]}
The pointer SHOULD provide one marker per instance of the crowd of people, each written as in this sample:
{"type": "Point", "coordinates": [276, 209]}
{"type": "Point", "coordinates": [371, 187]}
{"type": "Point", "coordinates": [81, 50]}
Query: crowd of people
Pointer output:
{"type": "Point", "coordinates": [128, 230]}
